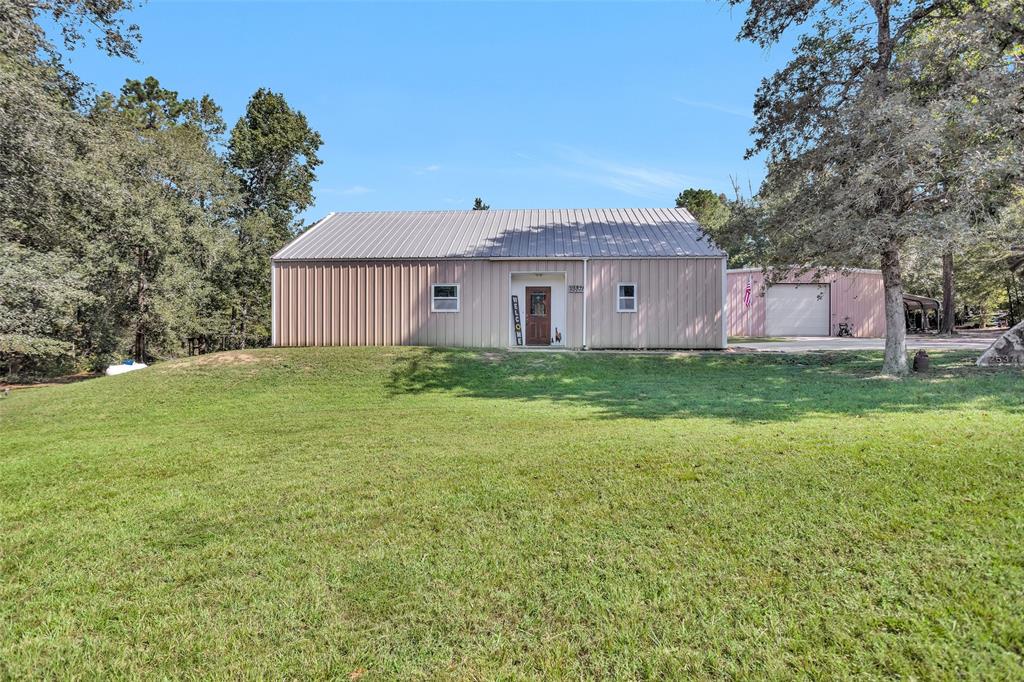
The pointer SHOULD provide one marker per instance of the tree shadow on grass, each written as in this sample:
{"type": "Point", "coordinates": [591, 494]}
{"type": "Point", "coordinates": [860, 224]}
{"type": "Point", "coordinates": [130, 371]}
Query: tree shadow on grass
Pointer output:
{"type": "Point", "coordinates": [738, 387]}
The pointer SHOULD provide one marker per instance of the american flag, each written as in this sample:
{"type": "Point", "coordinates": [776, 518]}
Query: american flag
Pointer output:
{"type": "Point", "coordinates": [746, 293]}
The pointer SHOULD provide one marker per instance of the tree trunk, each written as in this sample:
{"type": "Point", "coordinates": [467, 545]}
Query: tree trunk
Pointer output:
{"type": "Point", "coordinates": [245, 315]}
{"type": "Point", "coordinates": [892, 279]}
{"type": "Point", "coordinates": [1010, 302]}
{"type": "Point", "coordinates": [139, 351]}
{"type": "Point", "coordinates": [948, 312]}
{"type": "Point", "coordinates": [895, 324]}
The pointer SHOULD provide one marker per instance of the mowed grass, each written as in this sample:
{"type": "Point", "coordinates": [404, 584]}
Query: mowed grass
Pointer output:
{"type": "Point", "coordinates": [417, 513]}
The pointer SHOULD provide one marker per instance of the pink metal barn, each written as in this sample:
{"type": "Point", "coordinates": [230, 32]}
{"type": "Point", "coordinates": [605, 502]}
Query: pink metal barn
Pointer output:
{"type": "Point", "coordinates": [801, 305]}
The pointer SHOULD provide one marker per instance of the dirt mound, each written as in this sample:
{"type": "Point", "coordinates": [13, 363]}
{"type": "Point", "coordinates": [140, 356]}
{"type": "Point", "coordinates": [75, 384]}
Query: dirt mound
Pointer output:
{"type": "Point", "coordinates": [231, 357]}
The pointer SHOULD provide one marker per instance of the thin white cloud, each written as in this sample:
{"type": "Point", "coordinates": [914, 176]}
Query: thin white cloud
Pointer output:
{"type": "Point", "coordinates": [712, 106]}
{"type": "Point", "coordinates": [641, 181]}
{"type": "Point", "coordinates": [353, 190]}
{"type": "Point", "coordinates": [432, 168]}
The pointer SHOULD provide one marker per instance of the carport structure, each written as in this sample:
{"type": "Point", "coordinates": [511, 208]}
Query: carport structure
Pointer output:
{"type": "Point", "coordinates": [918, 309]}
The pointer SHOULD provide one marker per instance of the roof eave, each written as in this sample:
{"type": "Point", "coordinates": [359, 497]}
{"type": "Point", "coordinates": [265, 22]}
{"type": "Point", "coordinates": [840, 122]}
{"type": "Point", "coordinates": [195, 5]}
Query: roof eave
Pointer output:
{"type": "Point", "coordinates": [345, 259]}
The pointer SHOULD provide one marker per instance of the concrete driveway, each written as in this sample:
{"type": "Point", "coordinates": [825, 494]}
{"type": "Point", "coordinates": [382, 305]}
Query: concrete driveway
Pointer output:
{"type": "Point", "coordinates": [967, 340]}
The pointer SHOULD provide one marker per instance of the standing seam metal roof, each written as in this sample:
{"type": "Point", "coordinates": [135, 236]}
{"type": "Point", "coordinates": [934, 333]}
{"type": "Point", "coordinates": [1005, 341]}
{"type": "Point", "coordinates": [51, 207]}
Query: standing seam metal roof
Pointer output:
{"type": "Point", "coordinates": [529, 233]}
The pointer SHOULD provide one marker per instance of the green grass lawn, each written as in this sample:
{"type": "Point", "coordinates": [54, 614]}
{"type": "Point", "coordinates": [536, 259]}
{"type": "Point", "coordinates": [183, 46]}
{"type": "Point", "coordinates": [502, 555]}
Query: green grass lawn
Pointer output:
{"type": "Point", "coordinates": [422, 513]}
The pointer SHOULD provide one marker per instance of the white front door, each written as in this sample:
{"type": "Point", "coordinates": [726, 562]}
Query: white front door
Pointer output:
{"type": "Point", "coordinates": [797, 310]}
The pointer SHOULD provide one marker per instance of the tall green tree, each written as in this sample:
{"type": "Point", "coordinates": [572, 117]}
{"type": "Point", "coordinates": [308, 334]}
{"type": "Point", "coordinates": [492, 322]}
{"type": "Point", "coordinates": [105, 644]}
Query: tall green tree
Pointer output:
{"type": "Point", "coordinates": [40, 293]}
{"type": "Point", "coordinates": [479, 205]}
{"type": "Point", "coordinates": [710, 209]}
{"type": "Point", "coordinates": [878, 133]}
{"type": "Point", "coordinates": [41, 133]}
{"type": "Point", "coordinates": [22, 31]}
{"type": "Point", "coordinates": [167, 223]}
{"type": "Point", "coordinates": [150, 106]}
{"type": "Point", "coordinates": [713, 211]}
{"type": "Point", "coordinates": [44, 177]}
{"type": "Point", "coordinates": [273, 150]}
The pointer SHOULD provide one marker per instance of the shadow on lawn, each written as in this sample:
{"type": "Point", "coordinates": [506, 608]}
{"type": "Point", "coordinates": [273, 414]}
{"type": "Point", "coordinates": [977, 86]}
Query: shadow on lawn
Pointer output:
{"type": "Point", "coordinates": [738, 387]}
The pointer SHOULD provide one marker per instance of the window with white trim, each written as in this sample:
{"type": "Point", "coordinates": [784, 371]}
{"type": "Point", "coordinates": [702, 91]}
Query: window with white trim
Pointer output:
{"type": "Point", "coordinates": [626, 297]}
{"type": "Point", "coordinates": [444, 298]}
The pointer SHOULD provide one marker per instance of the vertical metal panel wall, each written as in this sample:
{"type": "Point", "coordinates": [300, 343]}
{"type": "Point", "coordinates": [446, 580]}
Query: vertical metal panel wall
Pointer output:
{"type": "Point", "coordinates": [382, 303]}
{"type": "Point", "coordinates": [679, 303]}
{"type": "Point", "coordinates": [858, 295]}
{"type": "Point", "coordinates": [387, 303]}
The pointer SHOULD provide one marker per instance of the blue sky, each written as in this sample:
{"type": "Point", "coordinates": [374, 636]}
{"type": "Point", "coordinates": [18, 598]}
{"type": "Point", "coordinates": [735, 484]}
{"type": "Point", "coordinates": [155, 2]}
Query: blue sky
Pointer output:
{"type": "Point", "coordinates": [425, 105]}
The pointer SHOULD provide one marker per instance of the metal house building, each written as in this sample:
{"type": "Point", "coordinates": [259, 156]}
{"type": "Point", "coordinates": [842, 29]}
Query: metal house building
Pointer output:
{"type": "Point", "coordinates": [578, 278]}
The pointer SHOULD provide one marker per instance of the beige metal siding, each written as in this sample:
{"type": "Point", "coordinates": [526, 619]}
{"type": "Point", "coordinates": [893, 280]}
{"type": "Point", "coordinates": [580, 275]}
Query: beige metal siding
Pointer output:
{"type": "Point", "coordinates": [383, 303]}
{"type": "Point", "coordinates": [379, 303]}
{"type": "Point", "coordinates": [679, 303]}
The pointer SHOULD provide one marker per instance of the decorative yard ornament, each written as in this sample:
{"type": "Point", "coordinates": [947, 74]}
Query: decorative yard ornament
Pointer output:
{"type": "Point", "coordinates": [921, 361]}
{"type": "Point", "coordinates": [746, 292]}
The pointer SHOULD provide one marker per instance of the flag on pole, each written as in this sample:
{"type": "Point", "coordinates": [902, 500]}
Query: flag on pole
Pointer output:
{"type": "Point", "coordinates": [746, 292]}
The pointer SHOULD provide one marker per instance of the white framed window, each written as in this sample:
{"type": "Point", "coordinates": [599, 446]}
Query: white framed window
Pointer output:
{"type": "Point", "coordinates": [625, 297]}
{"type": "Point", "coordinates": [444, 298]}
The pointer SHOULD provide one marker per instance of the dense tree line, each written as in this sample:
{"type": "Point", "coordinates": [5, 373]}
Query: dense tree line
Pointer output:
{"type": "Point", "coordinates": [131, 221]}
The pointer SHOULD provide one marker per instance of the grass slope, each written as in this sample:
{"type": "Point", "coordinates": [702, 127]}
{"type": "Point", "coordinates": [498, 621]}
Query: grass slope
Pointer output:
{"type": "Point", "coordinates": [422, 513]}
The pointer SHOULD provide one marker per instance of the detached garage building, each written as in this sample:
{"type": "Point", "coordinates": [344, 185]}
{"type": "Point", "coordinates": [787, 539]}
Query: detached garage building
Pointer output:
{"type": "Point", "coordinates": [802, 305]}
{"type": "Point", "coordinates": [585, 278]}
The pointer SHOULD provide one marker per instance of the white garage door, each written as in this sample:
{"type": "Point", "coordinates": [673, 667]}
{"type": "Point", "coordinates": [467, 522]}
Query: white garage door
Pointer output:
{"type": "Point", "coordinates": [797, 310]}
